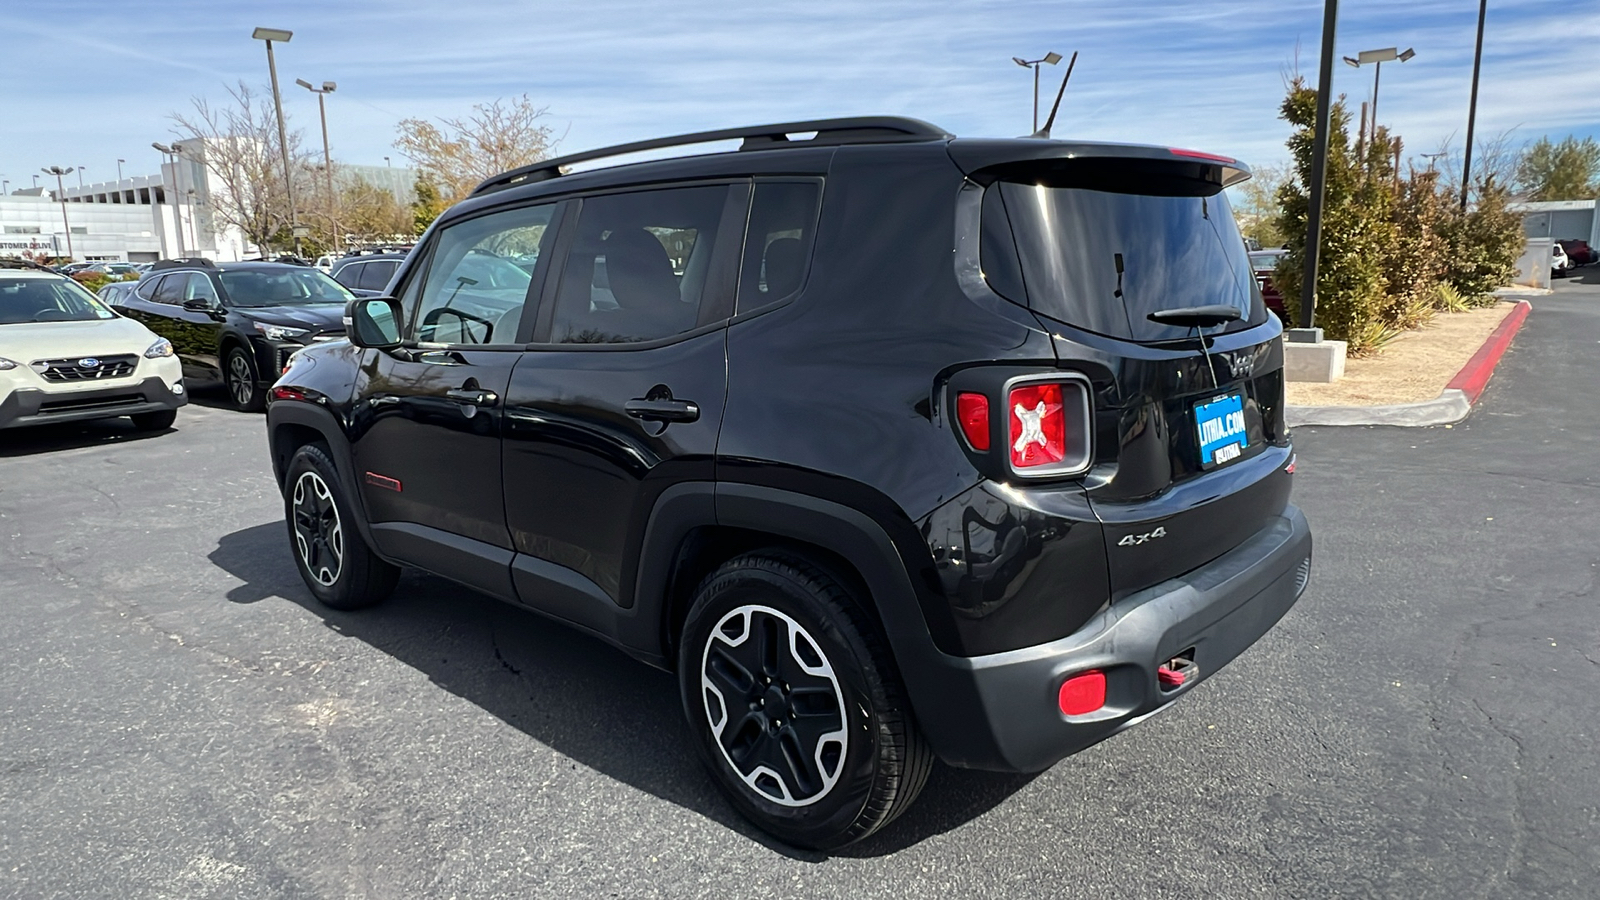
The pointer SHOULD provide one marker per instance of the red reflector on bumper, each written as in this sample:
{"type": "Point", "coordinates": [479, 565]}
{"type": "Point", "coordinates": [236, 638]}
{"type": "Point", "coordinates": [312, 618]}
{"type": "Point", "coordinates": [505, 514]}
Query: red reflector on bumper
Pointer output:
{"type": "Point", "coordinates": [1083, 693]}
{"type": "Point", "coordinates": [1171, 677]}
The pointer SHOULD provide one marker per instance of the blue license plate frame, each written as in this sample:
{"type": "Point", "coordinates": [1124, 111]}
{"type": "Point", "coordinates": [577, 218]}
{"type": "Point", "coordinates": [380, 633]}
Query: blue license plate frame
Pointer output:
{"type": "Point", "coordinates": [1220, 429]}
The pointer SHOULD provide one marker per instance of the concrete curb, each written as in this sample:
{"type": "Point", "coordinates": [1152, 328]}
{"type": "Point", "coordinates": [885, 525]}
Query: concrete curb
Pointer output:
{"type": "Point", "coordinates": [1446, 409]}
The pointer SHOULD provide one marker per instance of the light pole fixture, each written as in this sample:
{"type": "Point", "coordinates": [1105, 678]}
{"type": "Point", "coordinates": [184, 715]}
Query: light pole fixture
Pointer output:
{"type": "Point", "coordinates": [327, 88]}
{"type": "Point", "coordinates": [1052, 58]}
{"type": "Point", "coordinates": [171, 154]}
{"type": "Point", "coordinates": [80, 176]}
{"type": "Point", "coordinates": [1378, 58]}
{"type": "Point", "coordinates": [269, 35]}
{"type": "Point", "coordinates": [1472, 108]}
{"type": "Point", "coordinates": [61, 194]}
{"type": "Point", "coordinates": [387, 163]}
{"type": "Point", "coordinates": [119, 170]}
{"type": "Point", "coordinates": [1307, 332]}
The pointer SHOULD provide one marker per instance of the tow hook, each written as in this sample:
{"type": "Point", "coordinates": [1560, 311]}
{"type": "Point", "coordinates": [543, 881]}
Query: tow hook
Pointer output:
{"type": "Point", "coordinates": [1177, 671]}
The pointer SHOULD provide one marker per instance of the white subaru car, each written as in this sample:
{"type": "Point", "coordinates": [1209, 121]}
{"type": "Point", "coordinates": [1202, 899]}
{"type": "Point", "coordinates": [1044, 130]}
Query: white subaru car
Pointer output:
{"type": "Point", "coordinates": [65, 356]}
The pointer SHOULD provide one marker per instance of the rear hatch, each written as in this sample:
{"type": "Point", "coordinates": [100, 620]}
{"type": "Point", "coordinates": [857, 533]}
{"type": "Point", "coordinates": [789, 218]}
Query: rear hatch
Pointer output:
{"type": "Point", "coordinates": [1190, 442]}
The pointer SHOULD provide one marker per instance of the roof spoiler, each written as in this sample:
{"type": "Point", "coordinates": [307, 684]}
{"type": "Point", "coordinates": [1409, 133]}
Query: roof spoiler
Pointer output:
{"type": "Point", "coordinates": [988, 160]}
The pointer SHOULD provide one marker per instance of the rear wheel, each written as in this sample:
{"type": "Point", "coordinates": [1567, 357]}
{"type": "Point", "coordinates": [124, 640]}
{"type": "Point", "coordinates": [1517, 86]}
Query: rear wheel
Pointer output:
{"type": "Point", "coordinates": [155, 421]}
{"type": "Point", "coordinates": [795, 703]}
{"type": "Point", "coordinates": [239, 374]}
{"type": "Point", "coordinates": [333, 559]}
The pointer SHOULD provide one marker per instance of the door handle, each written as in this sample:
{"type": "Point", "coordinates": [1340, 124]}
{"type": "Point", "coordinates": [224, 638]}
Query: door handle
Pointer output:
{"type": "Point", "coordinates": [663, 410]}
{"type": "Point", "coordinates": [473, 396]}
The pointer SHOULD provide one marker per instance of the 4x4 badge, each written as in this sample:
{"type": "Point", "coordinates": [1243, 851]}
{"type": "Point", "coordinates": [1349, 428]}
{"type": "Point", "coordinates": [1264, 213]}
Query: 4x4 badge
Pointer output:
{"type": "Point", "coordinates": [1133, 540]}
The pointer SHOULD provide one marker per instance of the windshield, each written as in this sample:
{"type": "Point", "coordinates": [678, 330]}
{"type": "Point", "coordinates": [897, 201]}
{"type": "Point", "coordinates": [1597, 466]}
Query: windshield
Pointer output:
{"type": "Point", "coordinates": [282, 287]}
{"type": "Point", "coordinates": [1104, 261]}
{"type": "Point", "coordinates": [25, 300]}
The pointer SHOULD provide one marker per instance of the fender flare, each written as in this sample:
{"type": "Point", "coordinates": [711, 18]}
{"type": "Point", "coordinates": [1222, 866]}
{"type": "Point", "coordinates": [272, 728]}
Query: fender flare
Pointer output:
{"type": "Point", "coordinates": [933, 681]}
{"type": "Point", "coordinates": [322, 421]}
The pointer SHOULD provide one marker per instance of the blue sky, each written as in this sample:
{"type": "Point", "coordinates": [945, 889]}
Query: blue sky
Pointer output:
{"type": "Point", "coordinates": [88, 81]}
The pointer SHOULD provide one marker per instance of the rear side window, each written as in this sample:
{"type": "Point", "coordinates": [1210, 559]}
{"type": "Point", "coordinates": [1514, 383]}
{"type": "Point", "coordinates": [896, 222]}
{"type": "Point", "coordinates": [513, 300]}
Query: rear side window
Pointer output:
{"type": "Point", "coordinates": [1173, 252]}
{"type": "Point", "coordinates": [170, 290]}
{"type": "Point", "coordinates": [783, 217]}
{"type": "Point", "coordinates": [350, 275]}
{"type": "Point", "coordinates": [639, 266]}
{"type": "Point", "coordinates": [375, 277]}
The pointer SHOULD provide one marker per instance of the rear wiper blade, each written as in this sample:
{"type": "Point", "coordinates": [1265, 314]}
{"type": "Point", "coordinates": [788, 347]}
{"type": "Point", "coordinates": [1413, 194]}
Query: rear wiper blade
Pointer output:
{"type": "Point", "coordinates": [1196, 316]}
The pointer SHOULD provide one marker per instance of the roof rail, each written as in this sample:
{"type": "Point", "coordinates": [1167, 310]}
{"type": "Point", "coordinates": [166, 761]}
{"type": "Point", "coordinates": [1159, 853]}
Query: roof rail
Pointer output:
{"type": "Point", "coordinates": [183, 262]}
{"type": "Point", "coordinates": [829, 132]}
{"type": "Point", "coordinates": [17, 262]}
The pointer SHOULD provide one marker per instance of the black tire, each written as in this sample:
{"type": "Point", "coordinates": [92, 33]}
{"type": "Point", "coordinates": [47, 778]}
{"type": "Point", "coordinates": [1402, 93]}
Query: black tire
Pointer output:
{"type": "Point", "coordinates": [240, 377]}
{"type": "Point", "coordinates": [159, 420]}
{"type": "Point", "coordinates": [334, 561]}
{"type": "Point", "coordinates": [858, 760]}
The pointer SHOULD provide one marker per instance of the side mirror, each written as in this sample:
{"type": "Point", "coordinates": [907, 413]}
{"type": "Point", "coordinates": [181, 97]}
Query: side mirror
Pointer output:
{"type": "Point", "coordinates": [373, 322]}
{"type": "Point", "coordinates": [200, 304]}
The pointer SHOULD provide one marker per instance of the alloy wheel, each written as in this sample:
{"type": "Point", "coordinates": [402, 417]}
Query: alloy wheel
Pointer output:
{"type": "Point", "coordinates": [318, 534]}
{"type": "Point", "coordinates": [774, 705]}
{"type": "Point", "coordinates": [241, 381]}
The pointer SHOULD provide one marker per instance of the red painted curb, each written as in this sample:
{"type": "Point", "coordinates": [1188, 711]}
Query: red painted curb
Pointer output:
{"type": "Point", "coordinates": [1474, 376]}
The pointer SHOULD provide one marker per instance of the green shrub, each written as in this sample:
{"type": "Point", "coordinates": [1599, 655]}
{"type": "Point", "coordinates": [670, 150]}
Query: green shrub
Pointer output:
{"type": "Point", "coordinates": [1484, 243]}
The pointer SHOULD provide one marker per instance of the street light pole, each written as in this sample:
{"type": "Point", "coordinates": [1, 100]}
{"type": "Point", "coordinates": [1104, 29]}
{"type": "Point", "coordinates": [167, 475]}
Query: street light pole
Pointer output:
{"type": "Point", "coordinates": [119, 170]}
{"type": "Point", "coordinates": [80, 176]}
{"type": "Point", "coordinates": [1472, 108]}
{"type": "Point", "coordinates": [170, 155]}
{"type": "Point", "coordinates": [61, 194]}
{"type": "Point", "coordinates": [1319, 178]}
{"type": "Point", "coordinates": [327, 88]}
{"type": "Point", "coordinates": [1378, 58]}
{"type": "Point", "coordinates": [269, 35]}
{"type": "Point", "coordinates": [1052, 58]}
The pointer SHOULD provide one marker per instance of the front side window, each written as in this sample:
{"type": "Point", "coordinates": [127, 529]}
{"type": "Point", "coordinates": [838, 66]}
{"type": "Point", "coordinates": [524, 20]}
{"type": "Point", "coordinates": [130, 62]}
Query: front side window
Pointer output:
{"type": "Point", "coordinates": [288, 286]}
{"type": "Point", "coordinates": [783, 217]}
{"type": "Point", "coordinates": [638, 266]}
{"type": "Point", "coordinates": [200, 288]}
{"type": "Point", "coordinates": [25, 301]}
{"type": "Point", "coordinates": [474, 292]}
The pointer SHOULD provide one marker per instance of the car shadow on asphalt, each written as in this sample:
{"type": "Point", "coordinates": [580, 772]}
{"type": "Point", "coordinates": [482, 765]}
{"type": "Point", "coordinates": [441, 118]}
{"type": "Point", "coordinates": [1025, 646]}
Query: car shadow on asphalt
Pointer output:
{"type": "Point", "coordinates": [548, 680]}
{"type": "Point", "coordinates": [72, 435]}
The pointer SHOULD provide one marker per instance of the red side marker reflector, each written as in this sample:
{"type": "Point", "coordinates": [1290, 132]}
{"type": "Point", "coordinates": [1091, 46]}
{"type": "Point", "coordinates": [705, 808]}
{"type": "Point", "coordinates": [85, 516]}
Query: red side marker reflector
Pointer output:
{"type": "Point", "coordinates": [1083, 693]}
{"type": "Point", "coordinates": [1171, 677]}
{"type": "Point", "coordinates": [973, 412]}
{"type": "Point", "coordinates": [383, 481]}
{"type": "Point", "coordinates": [1290, 467]}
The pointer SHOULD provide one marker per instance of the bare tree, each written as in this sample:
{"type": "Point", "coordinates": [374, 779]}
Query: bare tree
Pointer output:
{"type": "Point", "coordinates": [240, 141]}
{"type": "Point", "coordinates": [456, 154]}
{"type": "Point", "coordinates": [1494, 160]}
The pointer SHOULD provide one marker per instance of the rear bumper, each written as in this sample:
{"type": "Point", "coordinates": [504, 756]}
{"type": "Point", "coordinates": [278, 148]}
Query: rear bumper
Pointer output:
{"type": "Point", "coordinates": [1217, 610]}
{"type": "Point", "coordinates": [30, 406]}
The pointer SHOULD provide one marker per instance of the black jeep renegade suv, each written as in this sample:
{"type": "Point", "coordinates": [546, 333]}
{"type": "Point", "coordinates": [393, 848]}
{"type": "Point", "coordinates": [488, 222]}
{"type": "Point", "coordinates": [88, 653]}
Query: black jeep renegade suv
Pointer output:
{"type": "Point", "coordinates": [892, 445]}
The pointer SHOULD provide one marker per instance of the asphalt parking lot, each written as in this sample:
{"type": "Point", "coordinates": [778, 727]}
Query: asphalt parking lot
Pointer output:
{"type": "Point", "coordinates": [178, 718]}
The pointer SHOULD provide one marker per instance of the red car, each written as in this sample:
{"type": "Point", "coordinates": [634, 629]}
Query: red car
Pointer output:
{"type": "Point", "coordinates": [1579, 252]}
{"type": "Point", "coordinates": [1263, 262]}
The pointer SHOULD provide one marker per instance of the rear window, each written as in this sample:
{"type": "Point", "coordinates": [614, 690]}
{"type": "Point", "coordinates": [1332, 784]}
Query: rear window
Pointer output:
{"type": "Point", "coordinates": [1174, 252]}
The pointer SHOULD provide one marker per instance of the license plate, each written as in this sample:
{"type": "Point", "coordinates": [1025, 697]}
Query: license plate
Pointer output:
{"type": "Point", "coordinates": [1219, 424]}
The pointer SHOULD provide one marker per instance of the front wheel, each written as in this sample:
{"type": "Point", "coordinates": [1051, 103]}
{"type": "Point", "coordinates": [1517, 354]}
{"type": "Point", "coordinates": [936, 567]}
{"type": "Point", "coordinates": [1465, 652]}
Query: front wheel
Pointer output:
{"type": "Point", "coordinates": [795, 703]}
{"type": "Point", "coordinates": [334, 561]}
{"type": "Point", "coordinates": [239, 375]}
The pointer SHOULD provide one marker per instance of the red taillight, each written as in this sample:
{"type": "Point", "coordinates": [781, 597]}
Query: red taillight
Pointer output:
{"type": "Point", "coordinates": [1048, 426]}
{"type": "Point", "coordinates": [1196, 154]}
{"type": "Point", "coordinates": [287, 393]}
{"type": "Point", "coordinates": [1084, 693]}
{"type": "Point", "coordinates": [1038, 425]}
{"type": "Point", "coordinates": [972, 411]}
